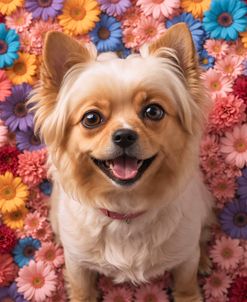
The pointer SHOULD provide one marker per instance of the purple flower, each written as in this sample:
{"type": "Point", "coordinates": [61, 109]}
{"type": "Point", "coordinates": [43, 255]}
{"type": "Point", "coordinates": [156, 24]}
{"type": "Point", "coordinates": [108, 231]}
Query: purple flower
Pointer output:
{"type": "Point", "coordinates": [10, 294]}
{"type": "Point", "coordinates": [233, 219]}
{"type": "Point", "coordinates": [115, 7]}
{"type": "Point", "coordinates": [28, 141]}
{"type": "Point", "coordinates": [44, 9]}
{"type": "Point", "coordinates": [14, 111]}
{"type": "Point", "coordinates": [242, 185]}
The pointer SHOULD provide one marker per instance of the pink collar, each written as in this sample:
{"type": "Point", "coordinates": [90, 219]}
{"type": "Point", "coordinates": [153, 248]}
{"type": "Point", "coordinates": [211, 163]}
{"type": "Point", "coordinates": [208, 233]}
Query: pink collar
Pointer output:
{"type": "Point", "coordinates": [118, 216]}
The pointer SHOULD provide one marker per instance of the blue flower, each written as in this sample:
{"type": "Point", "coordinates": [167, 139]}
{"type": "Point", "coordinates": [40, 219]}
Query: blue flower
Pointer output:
{"type": "Point", "coordinates": [225, 19]}
{"type": "Point", "coordinates": [242, 184]}
{"type": "Point", "coordinates": [206, 61]}
{"type": "Point", "coordinates": [195, 27]}
{"type": "Point", "coordinates": [233, 219]}
{"type": "Point", "coordinates": [107, 34]}
{"type": "Point", "coordinates": [9, 45]}
{"type": "Point", "coordinates": [24, 250]}
{"type": "Point", "coordinates": [46, 187]}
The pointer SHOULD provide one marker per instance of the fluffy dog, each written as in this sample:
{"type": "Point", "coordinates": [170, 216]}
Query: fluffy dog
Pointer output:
{"type": "Point", "coordinates": [123, 139]}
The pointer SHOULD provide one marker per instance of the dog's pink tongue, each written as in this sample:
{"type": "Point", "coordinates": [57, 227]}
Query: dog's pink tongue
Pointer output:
{"type": "Point", "coordinates": [124, 167]}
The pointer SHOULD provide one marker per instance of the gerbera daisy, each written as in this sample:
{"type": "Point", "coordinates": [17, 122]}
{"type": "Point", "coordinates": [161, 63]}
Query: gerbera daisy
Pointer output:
{"type": "Point", "coordinates": [194, 25]}
{"type": "Point", "coordinates": [159, 9]}
{"type": "Point", "coordinates": [233, 219]}
{"type": "Point", "coordinates": [217, 284]}
{"type": "Point", "coordinates": [244, 38]}
{"type": "Point", "coordinates": [130, 38]}
{"type": "Point", "coordinates": [33, 222]}
{"type": "Point", "coordinates": [120, 294]}
{"type": "Point", "coordinates": [225, 19]}
{"type": "Point", "coordinates": [234, 146]}
{"type": "Point", "coordinates": [37, 281]}
{"type": "Point", "coordinates": [196, 8]}
{"type": "Point", "coordinates": [51, 254]}
{"type": "Point", "coordinates": [60, 294]}
{"type": "Point", "coordinates": [9, 159]}
{"type": "Point", "coordinates": [8, 269]}
{"type": "Point", "coordinates": [131, 17]}
{"type": "Point", "coordinates": [19, 21]}
{"type": "Point", "coordinates": [223, 188]}
{"type": "Point", "coordinates": [38, 202]}
{"type": "Point", "coordinates": [27, 140]}
{"type": "Point", "coordinates": [9, 294]}
{"type": "Point", "coordinates": [115, 7]}
{"type": "Point", "coordinates": [217, 84]}
{"type": "Point", "coordinates": [23, 70]}
{"type": "Point", "coordinates": [44, 9]}
{"type": "Point", "coordinates": [3, 134]}
{"type": "Point", "coordinates": [32, 167]}
{"type": "Point", "coordinates": [209, 146]}
{"type": "Point", "coordinates": [231, 66]}
{"type": "Point", "coordinates": [79, 17]}
{"type": "Point", "coordinates": [8, 239]}
{"type": "Point", "coordinates": [9, 6]}
{"type": "Point", "coordinates": [237, 48]}
{"type": "Point", "coordinates": [150, 292]}
{"type": "Point", "coordinates": [13, 193]}
{"type": "Point", "coordinates": [24, 250]}
{"type": "Point", "coordinates": [5, 86]}
{"type": "Point", "coordinates": [44, 233]}
{"type": "Point", "coordinates": [212, 165]}
{"type": "Point", "coordinates": [15, 219]}
{"type": "Point", "coordinates": [216, 48]}
{"type": "Point", "coordinates": [242, 184]}
{"type": "Point", "coordinates": [27, 41]}
{"type": "Point", "coordinates": [15, 111]}
{"type": "Point", "coordinates": [206, 61]}
{"type": "Point", "coordinates": [239, 87]}
{"type": "Point", "coordinates": [238, 290]}
{"type": "Point", "coordinates": [46, 187]}
{"type": "Point", "coordinates": [226, 253]}
{"type": "Point", "coordinates": [9, 46]}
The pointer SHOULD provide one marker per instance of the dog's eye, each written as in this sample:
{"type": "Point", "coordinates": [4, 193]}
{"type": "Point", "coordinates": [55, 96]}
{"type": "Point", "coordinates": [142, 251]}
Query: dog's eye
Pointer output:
{"type": "Point", "coordinates": [153, 112]}
{"type": "Point", "coordinates": [92, 119]}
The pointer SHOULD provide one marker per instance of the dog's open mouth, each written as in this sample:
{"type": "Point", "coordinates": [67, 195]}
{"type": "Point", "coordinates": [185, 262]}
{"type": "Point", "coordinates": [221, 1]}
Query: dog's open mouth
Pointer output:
{"type": "Point", "coordinates": [124, 170]}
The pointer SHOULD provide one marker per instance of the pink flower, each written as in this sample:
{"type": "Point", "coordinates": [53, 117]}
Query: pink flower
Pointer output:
{"type": "Point", "coordinates": [32, 223]}
{"type": "Point", "coordinates": [223, 188]}
{"type": "Point", "coordinates": [118, 294]}
{"type": "Point", "coordinates": [105, 284]}
{"type": "Point", "coordinates": [36, 281]}
{"type": "Point", "coordinates": [216, 48]}
{"type": "Point", "coordinates": [32, 167]}
{"type": "Point", "coordinates": [226, 253]}
{"type": "Point", "coordinates": [216, 285]}
{"type": "Point", "coordinates": [3, 134]}
{"type": "Point", "coordinates": [20, 20]}
{"type": "Point", "coordinates": [150, 292]}
{"type": "Point", "coordinates": [60, 294]}
{"type": "Point", "coordinates": [131, 17]}
{"type": "Point", "coordinates": [44, 233]}
{"type": "Point", "coordinates": [217, 84]}
{"type": "Point", "coordinates": [27, 41]}
{"type": "Point", "coordinates": [159, 8]}
{"type": "Point", "coordinates": [212, 165]}
{"type": "Point", "coordinates": [227, 112]}
{"type": "Point", "coordinates": [237, 48]}
{"type": "Point", "coordinates": [51, 254]}
{"type": "Point", "coordinates": [230, 66]}
{"type": "Point", "coordinates": [130, 38]}
{"type": "Point", "coordinates": [234, 146]}
{"type": "Point", "coordinates": [8, 270]}
{"type": "Point", "coordinates": [209, 145]}
{"type": "Point", "coordinates": [5, 86]}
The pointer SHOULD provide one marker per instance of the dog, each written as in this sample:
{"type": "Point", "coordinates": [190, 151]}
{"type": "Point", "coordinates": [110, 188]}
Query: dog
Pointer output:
{"type": "Point", "coordinates": [123, 138]}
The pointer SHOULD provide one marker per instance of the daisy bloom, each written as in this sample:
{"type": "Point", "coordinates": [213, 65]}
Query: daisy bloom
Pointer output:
{"type": "Point", "coordinates": [60, 295]}
{"type": "Point", "coordinates": [209, 146]}
{"type": "Point", "coordinates": [238, 290]}
{"type": "Point", "coordinates": [217, 84]}
{"type": "Point", "coordinates": [150, 292]}
{"type": "Point", "coordinates": [130, 38]}
{"type": "Point", "coordinates": [20, 20]}
{"type": "Point", "coordinates": [217, 284]}
{"type": "Point", "coordinates": [23, 69]}
{"type": "Point", "coordinates": [9, 159]}
{"type": "Point", "coordinates": [5, 86]}
{"type": "Point", "coordinates": [158, 8]}
{"type": "Point", "coordinates": [244, 38]}
{"type": "Point", "coordinates": [15, 219]}
{"type": "Point", "coordinates": [33, 222]}
{"type": "Point", "coordinates": [8, 239]}
{"type": "Point", "coordinates": [27, 41]}
{"type": "Point", "coordinates": [216, 48]}
{"type": "Point", "coordinates": [32, 167]}
{"type": "Point", "coordinates": [114, 8]}
{"type": "Point", "coordinates": [213, 165]}
{"type": "Point", "coordinates": [223, 188]}
{"type": "Point", "coordinates": [3, 134]}
{"type": "Point", "coordinates": [10, 294]}
{"type": "Point", "coordinates": [8, 269]}
{"type": "Point", "coordinates": [13, 193]}
{"type": "Point", "coordinates": [226, 253]}
{"type": "Point", "coordinates": [79, 17]}
{"type": "Point", "coordinates": [36, 281]}
{"type": "Point", "coordinates": [118, 294]}
{"type": "Point", "coordinates": [239, 87]}
{"type": "Point", "coordinates": [8, 7]}
{"type": "Point", "coordinates": [237, 48]}
{"type": "Point", "coordinates": [51, 254]}
{"type": "Point", "coordinates": [44, 9]}
{"type": "Point", "coordinates": [27, 140]}
{"type": "Point", "coordinates": [44, 233]}
{"type": "Point", "coordinates": [196, 8]}
{"type": "Point", "coordinates": [131, 17]}
{"type": "Point", "coordinates": [242, 184]}
{"type": "Point", "coordinates": [230, 66]}
{"type": "Point", "coordinates": [234, 146]}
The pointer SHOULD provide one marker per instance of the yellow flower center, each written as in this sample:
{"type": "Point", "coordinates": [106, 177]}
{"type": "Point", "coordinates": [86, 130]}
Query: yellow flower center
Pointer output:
{"type": "Point", "coordinates": [222, 186]}
{"type": "Point", "coordinates": [77, 13]}
{"type": "Point", "coordinates": [33, 223]}
{"type": "Point", "coordinates": [50, 255]}
{"type": "Point", "coordinates": [38, 281]}
{"type": "Point", "coordinates": [20, 68]}
{"type": "Point", "coordinates": [150, 31]}
{"type": "Point", "coordinates": [205, 61]}
{"type": "Point", "coordinates": [227, 253]}
{"type": "Point", "coordinates": [215, 86]}
{"type": "Point", "coordinates": [228, 69]}
{"type": "Point", "coordinates": [216, 282]}
{"type": "Point", "coordinates": [240, 145]}
{"type": "Point", "coordinates": [216, 49]}
{"type": "Point", "coordinates": [7, 192]}
{"type": "Point", "coordinates": [20, 20]}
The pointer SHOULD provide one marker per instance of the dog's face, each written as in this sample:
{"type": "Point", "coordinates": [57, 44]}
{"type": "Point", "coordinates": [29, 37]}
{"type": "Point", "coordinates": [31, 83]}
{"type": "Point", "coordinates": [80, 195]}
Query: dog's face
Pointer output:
{"type": "Point", "coordinates": [117, 126]}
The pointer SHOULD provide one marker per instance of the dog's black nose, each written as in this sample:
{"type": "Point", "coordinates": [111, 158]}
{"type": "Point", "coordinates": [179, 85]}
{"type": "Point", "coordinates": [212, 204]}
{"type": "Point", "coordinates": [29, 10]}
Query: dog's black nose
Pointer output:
{"type": "Point", "coordinates": [124, 137]}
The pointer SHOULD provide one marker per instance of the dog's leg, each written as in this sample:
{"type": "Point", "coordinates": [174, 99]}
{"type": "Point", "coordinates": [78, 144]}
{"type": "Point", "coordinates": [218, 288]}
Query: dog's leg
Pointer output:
{"type": "Point", "coordinates": [186, 288]}
{"type": "Point", "coordinates": [81, 283]}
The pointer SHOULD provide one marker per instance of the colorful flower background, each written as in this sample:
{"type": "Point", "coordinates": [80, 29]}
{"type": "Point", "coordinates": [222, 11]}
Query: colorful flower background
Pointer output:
{"type": "Point", "coordinates": [31, 263]}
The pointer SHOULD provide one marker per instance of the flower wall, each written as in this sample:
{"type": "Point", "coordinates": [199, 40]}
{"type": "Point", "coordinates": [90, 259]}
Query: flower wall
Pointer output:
{"type": "Point", "coordinates": [31, 263]}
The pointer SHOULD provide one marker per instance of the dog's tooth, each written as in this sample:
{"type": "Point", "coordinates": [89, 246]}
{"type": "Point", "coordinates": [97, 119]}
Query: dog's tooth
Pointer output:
{"type": "Point", "coordinates": [139, 163]}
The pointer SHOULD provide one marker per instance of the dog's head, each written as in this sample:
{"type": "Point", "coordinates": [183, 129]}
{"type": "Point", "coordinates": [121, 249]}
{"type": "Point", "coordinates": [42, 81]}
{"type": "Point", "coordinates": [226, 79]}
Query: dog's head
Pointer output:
{"type": "Point", "coordinates": [121, 125]}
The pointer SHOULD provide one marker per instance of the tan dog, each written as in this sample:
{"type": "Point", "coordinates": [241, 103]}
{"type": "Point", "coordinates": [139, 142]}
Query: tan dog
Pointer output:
{"type": "Point", "coordinates": [123, 138]}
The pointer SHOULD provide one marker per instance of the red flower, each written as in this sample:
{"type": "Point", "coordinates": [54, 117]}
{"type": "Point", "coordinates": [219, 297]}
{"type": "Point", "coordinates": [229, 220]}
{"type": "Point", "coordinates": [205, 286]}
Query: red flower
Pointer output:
{"type": "Point", "coordinates": [238, 290]}
{"type": "Point", "coordinates": [239, 87]}
{"type": "Point", "coordinates": [7, 239]}
{"type": "Point", "coordinates": [2, 18]}
{"type": "Point", "coordinates": [9, 159]}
